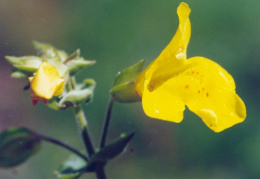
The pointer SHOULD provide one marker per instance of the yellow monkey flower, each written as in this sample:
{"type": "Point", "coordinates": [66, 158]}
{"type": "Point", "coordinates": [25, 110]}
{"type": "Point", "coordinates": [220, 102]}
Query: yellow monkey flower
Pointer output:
{"type": "Point", "coordinates": [46, 83]}
{"type": "Point", "coordinates": [171, 81]}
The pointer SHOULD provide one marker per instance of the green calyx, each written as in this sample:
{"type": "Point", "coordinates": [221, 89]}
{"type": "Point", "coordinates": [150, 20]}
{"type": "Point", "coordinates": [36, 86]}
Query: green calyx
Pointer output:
{"type": "Point", "coordinates": [123, 89]}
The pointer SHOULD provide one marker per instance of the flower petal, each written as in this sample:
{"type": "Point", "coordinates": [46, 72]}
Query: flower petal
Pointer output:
{"type": "Point", "coordinates": [47, 82]}
{"type": "Point", "coordinates": [175, 51]}
{"type": "Point", "coordinates": [163, 104]}
{"type": "Point", "coordinates": [170, 82]}
{"type": "Point", "coordinates": [173, 55]}
{"type": "Point", "coordinates": [208, 90]}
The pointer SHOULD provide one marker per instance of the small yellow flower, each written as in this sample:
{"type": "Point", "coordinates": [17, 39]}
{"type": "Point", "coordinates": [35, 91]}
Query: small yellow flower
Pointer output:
{"type": "Point", "coordinates": [46, 83]}
{"type": "Point", "coordinates": [171, 81]}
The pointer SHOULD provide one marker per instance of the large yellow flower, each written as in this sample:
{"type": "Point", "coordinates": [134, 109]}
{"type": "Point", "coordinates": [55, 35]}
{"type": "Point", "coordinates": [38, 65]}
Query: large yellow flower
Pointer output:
{"type": "Point", "coordinates": [171, 81]}
{"type": "Point", "coordinates": [46, 83]}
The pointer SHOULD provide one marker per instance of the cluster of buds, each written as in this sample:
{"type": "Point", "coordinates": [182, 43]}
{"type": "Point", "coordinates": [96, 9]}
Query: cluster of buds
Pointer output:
{"type": "Point", "coordinates": [51, 76]}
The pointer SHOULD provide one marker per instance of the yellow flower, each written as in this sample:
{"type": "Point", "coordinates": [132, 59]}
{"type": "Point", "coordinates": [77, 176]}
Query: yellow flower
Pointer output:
{"type": "Point", "coordinates": [171, 81]}
{"type": "Point", "coordinates": [46, 83]}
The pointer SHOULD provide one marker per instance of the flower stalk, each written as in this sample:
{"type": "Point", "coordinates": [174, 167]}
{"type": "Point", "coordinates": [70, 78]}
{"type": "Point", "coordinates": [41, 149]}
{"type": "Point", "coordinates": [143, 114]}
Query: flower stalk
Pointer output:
{"type": "Point", "coordinates": [107, 122]}
{"type": "Point", "coordinates": [82, 124]}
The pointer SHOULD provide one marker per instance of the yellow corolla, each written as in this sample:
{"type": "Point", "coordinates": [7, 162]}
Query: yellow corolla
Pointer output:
{"type": "Point", "coordinates": [171, 81]}
{"type": "Point", "coordinates": [46, 83]}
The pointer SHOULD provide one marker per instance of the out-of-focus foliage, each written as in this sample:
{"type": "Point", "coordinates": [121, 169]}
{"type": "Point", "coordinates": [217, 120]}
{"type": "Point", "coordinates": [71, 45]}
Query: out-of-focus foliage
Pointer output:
{"type": "Point", "coordinates": [118, 34]}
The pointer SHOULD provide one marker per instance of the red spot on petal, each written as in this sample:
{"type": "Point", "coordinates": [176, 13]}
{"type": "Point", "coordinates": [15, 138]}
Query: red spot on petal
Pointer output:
{"type": "Point", "coordinates": [207, 94]}
{"type": "Point", "coordinates": [199, 91]}
{"type": "Point", "coordinates": [186, 86]}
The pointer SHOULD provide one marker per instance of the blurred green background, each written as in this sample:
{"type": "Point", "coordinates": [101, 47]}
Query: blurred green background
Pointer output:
{"type": "Point", "coordinates": [118, 33]}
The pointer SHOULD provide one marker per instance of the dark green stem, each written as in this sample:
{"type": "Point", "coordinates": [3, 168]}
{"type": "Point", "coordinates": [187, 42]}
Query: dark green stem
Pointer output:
{"type": "Point", "coordinates": [107, 122]}
{"type": "Point", "coordinates": [66, 146]}
{"type": "Point", "coordinates": [100, 171]}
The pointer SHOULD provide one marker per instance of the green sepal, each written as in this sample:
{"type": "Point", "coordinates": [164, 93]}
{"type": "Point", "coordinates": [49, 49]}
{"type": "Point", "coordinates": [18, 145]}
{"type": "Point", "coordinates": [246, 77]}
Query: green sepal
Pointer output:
{"type": "Point", "coordinates": [17, 144]}
{"type": "Point", "coordinates": [112, 150]}
{"type": "Point", "coordinates": [25, 63]}
{"type": "Point", "coordinates": [124, 84]}
{"type": "Point", "coordinates": [19, 74]}
{"type": "Point", "coordinates": [53, 103]}
{"type": "Point", "coordinates": [77, 64]}
{"type": "Point", "coordinates": [48, 51]}
{"type": "Point", "coordinates": [83, 93]}
{"type": "Point", "coordinates": [76, 97]}
{"type": "Point", "coordinates": [87, 83]}
{"type": "Point", "coordinates": [44, 48]}
{"type": "Point", "coordinates": [129, 73]}
{"type": "Point", "coordinates": [72, 168]}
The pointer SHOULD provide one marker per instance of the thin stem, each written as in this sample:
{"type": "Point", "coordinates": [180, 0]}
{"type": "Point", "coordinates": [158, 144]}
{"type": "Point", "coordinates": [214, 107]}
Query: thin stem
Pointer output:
{"type": "Point", "coordinates": [107, 122]}
{"type": "Point", "coordinates": [66, 146]}
{"type": "Point", "coordinates": [82, 123]}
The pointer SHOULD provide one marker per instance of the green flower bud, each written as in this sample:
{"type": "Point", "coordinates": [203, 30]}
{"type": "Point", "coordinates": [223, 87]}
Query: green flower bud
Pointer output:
{"type": "Point", "coordinates": [17, 144]}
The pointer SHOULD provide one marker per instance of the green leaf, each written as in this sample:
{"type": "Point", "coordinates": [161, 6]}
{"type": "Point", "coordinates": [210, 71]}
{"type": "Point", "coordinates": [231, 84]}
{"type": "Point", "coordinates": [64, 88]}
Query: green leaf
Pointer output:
{"type": "Point", "coordinates": [129, 74]}
{"type": "Point", "coordinates": [113, 149]}
{"type": "Point", "coordinates": [72, 168]}
{"type": "Point", "coordinates": [17, 144]}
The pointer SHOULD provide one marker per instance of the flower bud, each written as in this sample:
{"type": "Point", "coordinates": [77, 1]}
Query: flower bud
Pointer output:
{"type": "Point", "coordinates": [17, 144]}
